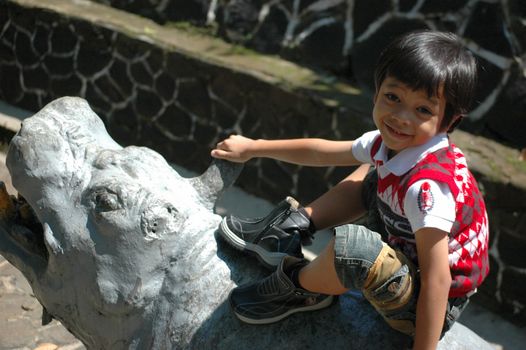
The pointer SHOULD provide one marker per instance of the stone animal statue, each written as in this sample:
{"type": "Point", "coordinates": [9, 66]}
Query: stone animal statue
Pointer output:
{"type": "Point", "coordinates": [124, 251]}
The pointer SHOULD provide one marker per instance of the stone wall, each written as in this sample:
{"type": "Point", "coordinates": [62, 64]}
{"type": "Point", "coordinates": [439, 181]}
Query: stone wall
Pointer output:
{"type": "Point", "coordinates": [344, 37]}
{"type": "Point", "coordinates": [179, 102]}
{"type": "Point", "coordinates": [180, 92]}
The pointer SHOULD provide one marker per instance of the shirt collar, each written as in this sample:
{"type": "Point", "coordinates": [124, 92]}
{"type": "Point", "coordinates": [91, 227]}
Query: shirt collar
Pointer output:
{"type": "Point", "coordinates": [409, 157]}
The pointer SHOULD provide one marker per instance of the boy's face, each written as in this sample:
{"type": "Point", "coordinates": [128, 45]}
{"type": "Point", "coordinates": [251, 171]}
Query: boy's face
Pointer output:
{"type": "Point", "coordinates": [406, 117]}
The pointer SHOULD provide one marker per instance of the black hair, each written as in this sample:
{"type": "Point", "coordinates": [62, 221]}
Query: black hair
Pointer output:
{"type": "Point", "coordinates": [427, 60]}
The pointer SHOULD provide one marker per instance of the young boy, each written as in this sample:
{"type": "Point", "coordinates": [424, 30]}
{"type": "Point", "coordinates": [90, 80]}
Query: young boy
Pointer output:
{"type": "Point", "coordinates": [432, 214]}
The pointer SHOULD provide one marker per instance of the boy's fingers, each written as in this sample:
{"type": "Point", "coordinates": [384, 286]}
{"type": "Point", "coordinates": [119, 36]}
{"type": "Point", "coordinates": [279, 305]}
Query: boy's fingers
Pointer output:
{"type": "Point", "coordinates": [218, 153]}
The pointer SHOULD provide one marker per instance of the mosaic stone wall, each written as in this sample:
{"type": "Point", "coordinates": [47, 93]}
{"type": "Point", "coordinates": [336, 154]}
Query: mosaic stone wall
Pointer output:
{"type": "Point", "coordinates": [344, 36]}
{"type": "Point", "coordinates": [153, 94]}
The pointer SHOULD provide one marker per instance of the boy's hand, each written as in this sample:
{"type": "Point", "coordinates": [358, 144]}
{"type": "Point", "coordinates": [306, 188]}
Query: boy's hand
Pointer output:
{"type": "Point", "coordinates": [236, 148]}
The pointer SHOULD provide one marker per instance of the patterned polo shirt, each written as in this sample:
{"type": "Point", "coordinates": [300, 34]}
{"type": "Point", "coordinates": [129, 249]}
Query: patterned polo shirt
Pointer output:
{"type": "Point", "coordinates": [441, 193]}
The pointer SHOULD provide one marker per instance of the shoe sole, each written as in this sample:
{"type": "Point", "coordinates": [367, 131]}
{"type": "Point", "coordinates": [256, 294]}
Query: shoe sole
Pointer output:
{"type": "Point", "coordinates": [321, 305]}
{"type": "Point", "coordinates": [269, 259]}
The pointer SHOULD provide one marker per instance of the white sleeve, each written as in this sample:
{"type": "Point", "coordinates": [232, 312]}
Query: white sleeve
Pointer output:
{"type": "Point", "coordinates": [361, 148]}
{"type": "Point", "coordinates": [428, 204]}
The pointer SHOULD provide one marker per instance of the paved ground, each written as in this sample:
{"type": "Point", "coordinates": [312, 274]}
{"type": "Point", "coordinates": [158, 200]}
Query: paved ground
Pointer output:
{"type": "Point", "coordinates": [20, 312]}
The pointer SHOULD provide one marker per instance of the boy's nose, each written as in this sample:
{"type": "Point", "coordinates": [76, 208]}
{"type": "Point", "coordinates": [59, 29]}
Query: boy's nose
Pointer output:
{"type": "Point", "coordinates": [402, 116]}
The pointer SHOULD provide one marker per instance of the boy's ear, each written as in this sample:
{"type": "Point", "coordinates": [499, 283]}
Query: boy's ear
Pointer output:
{"type": "Point", "coordinates": [455, 121]}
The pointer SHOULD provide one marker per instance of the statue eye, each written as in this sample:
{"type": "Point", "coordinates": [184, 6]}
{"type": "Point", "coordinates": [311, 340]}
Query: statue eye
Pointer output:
{"type": "Point", "coordinates": [106, 201]}
{"type": "Point", "coordinates": [159, 219]}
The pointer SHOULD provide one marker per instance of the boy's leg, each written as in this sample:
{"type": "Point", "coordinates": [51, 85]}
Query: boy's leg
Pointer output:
{"type": "Point", "coordinates": [345, 263]}
{"type": "Point", "coordinates": [342, 203]}
{"type": "Point", "coordinates": [280, 233]}
{"type": "Point", "coordinates": [358, 259]}
{"type": "Point", "coordinates": [384, 275]}
{"type": "Point", "coordinates": [355, 259]}
{"type": "Point", "coordinates": [320, 275]}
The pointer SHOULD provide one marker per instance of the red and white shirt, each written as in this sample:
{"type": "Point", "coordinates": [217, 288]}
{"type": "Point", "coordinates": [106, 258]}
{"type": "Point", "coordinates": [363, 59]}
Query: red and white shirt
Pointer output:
{"type": "Point", "coordinates": [431, 186]}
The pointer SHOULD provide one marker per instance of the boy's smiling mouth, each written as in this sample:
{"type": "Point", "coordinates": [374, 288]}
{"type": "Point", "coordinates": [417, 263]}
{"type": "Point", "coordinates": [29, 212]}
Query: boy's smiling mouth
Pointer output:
{"type": "Point", "coordinates": [395, 132]}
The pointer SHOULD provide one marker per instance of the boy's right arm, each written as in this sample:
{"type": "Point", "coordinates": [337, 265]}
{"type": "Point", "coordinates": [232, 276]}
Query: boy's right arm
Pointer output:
{"type": "Point", "coordinates": [310, 152]}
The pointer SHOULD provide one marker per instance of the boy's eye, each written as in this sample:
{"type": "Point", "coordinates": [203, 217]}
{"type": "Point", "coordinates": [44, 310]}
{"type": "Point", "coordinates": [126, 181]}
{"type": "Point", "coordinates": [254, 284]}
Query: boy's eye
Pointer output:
{"type": "Point", "coordinates": [392, 97]}
{"type": "Point", "coordinates": [424, 110]}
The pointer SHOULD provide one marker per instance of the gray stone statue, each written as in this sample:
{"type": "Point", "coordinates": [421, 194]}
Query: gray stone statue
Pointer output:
{"type": "Point", "coordinates": [124, 251]}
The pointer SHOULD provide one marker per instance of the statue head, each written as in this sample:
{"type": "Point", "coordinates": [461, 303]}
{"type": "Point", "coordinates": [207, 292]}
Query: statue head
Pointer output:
{"type": "Point", "coordinates": [116, 221]}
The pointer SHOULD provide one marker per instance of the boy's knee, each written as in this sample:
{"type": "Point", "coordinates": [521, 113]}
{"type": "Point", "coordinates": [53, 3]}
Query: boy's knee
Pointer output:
{"type": "Point", "coordinates": [356, 249]}
{"type": "Point", "coordinates": [384, 275]}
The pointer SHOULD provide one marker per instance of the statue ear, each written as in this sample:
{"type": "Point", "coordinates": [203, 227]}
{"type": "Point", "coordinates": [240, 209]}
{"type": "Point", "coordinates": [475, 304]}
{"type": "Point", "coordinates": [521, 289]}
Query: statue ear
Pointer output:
{"type": "Point", "coordinates": [53, 246]}
{"type": "Point", "coordinates": [220, 175]}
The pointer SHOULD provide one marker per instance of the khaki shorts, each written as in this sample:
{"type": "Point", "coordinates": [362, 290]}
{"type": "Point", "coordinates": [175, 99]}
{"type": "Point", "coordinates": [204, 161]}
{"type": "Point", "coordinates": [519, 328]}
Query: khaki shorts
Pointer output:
{"type": "Point", "coordinates": [386, 277]}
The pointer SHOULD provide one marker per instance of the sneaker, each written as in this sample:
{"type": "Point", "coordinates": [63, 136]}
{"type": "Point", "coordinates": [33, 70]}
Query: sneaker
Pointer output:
{"type": "Point", "coordinates": [273, 237]}
{"type": "Point", "coordinates": [275, 297]}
